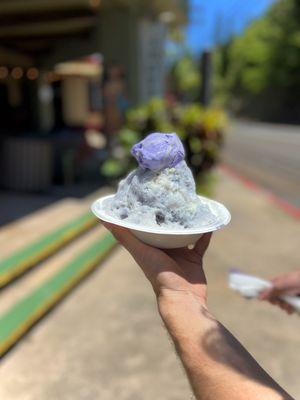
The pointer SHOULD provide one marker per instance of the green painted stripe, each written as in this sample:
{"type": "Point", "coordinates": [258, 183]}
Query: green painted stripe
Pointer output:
{"type": "Point", "coordinates": [37, 251]}
{"type": "Point", "coordinates": [21, 316]}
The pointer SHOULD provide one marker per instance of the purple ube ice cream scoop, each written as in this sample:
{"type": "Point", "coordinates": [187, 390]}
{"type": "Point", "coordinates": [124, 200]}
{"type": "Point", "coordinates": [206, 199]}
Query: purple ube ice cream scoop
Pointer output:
{"type": "Point", "coordinates": [158, 151]}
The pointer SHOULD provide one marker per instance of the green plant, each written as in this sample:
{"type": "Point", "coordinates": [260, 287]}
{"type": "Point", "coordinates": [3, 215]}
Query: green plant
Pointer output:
{"type": "Point", "coordinates": [205, 183]}
{"type": "Point", "coordinates": [201, 131]}
{"type": "Point", "coordinates": [112, 168]}
{"type": "Point", "coordinates": [128, 138]}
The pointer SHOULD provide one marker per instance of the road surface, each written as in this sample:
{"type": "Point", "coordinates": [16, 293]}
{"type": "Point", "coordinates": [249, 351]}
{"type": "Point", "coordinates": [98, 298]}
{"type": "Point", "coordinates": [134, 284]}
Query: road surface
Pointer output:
{"type": "Point", "coordinates": [268, 154]}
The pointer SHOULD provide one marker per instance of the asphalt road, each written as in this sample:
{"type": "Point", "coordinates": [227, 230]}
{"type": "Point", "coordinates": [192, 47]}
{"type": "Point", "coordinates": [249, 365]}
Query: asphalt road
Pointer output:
{"type": "Point", "coordinates": [268, 154]}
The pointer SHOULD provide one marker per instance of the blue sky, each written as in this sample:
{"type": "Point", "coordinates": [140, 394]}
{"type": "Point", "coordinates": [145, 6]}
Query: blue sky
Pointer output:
{"type": "Point", "coordinates": [214, 20]}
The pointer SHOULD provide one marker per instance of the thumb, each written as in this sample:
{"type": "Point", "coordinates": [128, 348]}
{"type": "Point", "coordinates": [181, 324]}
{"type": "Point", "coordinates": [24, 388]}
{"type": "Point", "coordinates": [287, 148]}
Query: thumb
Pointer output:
{"type": "Point", "coordinates": [202, 244]}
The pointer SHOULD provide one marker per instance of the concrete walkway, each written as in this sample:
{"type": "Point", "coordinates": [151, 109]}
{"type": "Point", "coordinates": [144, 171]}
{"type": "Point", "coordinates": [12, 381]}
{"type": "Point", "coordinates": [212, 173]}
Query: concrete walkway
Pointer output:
{"type": "Point", "coordinates": [105, 341]}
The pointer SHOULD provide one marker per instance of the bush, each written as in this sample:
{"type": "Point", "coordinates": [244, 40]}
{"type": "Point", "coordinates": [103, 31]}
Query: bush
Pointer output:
{"type": "Point", "coordinates": [201, 131]}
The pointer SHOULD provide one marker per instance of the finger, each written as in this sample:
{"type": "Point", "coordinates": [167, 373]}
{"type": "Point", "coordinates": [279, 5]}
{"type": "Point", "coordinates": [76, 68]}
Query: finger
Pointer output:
{"type": "Point", "coordinates": [126, 238]}
{"type": "Point", "coordinates": [271, 293]}
{"type": "Point", "coordinates": [141, 252]}
{"type": "Point", "coordinates": [274, 301]}
{"type": "Point", "coordinates": [266, 294]}
{"type": "Point", "coordinates": [284, 286]}
{"type": "Point", "coordinates": [287, 307]}
{"type": "Point", "coordinates": [202, 244]}
{"type": "Point", "coordinates": [107, 225]}
{"type": "Point", "coordinates": [283, 305]}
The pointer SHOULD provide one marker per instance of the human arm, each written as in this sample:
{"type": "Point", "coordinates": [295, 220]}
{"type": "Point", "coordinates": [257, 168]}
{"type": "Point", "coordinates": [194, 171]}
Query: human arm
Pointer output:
{"type": "Point", "coordinates": [283, 285]}
{"type": "Point", "coordinates": [217, 365]}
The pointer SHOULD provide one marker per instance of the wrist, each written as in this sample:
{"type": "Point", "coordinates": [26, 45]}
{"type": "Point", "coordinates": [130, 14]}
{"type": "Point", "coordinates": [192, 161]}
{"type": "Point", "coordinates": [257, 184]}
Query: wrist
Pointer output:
{"type": "Point", "coordinates": [178, 308]}
{"type": "Point", "coordinates": [173, 297]}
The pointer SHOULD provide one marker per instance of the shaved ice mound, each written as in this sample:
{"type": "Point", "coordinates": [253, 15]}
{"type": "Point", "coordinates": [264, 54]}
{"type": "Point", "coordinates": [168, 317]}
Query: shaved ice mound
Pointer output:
{"type": "Point", "coordinates": [161, 191]}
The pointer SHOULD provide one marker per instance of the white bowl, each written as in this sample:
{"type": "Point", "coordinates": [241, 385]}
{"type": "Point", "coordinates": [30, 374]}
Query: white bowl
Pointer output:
{"type": "Point", "coordinates": [166, 238]}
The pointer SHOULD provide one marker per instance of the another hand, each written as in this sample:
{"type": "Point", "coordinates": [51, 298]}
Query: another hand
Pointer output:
{"type": "Point", "coordinates": [287, 284]}
{"type": "Point", "coordinates": [171, 272]}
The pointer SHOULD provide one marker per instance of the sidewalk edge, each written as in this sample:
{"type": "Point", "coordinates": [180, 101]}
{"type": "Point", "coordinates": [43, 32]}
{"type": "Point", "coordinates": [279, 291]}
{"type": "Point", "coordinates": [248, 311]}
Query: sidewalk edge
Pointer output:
{"type": "Point", "coordinates": [284, 205]}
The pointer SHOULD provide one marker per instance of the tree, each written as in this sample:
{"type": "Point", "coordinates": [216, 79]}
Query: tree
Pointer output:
{"type": "Point", "coordinates": [185, 77]}
{"type": "Point", "coordinates": [261, 74]}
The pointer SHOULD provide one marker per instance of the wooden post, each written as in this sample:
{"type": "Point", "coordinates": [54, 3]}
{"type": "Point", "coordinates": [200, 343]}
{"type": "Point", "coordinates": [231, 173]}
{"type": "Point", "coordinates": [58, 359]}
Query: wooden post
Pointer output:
{"type": "Point", "coordinates": [206, 70]}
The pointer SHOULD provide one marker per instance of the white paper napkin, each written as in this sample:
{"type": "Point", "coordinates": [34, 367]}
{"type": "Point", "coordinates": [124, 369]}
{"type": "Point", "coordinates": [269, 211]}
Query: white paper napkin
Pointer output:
{"type": "Point", "coordinates": [250, 286]}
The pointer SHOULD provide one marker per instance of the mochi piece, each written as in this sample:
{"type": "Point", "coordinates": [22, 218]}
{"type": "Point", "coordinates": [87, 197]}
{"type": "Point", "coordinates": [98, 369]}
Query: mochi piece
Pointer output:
{"type": "Point", "coordinates": [158, 151]}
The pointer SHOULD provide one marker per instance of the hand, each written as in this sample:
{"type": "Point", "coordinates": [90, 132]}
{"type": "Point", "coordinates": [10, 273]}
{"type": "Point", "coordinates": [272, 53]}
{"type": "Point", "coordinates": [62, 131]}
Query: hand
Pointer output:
{"type": "Point", "coordinates": [171, 272]}
{"type": "Point", "coordinates": [214, 360]}
{"type": "Point", "coordinates": [287, 284]}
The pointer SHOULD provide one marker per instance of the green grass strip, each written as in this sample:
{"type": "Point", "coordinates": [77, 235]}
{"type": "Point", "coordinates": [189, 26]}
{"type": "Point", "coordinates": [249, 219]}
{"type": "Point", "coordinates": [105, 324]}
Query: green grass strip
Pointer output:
{"type": "Point", "coordinates": [21, 316]}
{"type": "Point", "coordinates": [30, 255]}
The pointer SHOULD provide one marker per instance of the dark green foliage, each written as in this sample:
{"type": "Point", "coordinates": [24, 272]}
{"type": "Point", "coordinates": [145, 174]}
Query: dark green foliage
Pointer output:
{"type": "Point", "coordinates": [257, 74]}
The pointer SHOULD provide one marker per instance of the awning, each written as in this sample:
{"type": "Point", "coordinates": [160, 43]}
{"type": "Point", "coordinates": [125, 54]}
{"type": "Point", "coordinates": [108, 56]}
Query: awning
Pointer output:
{"type": "Point", "coordinates": [30, 28]}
